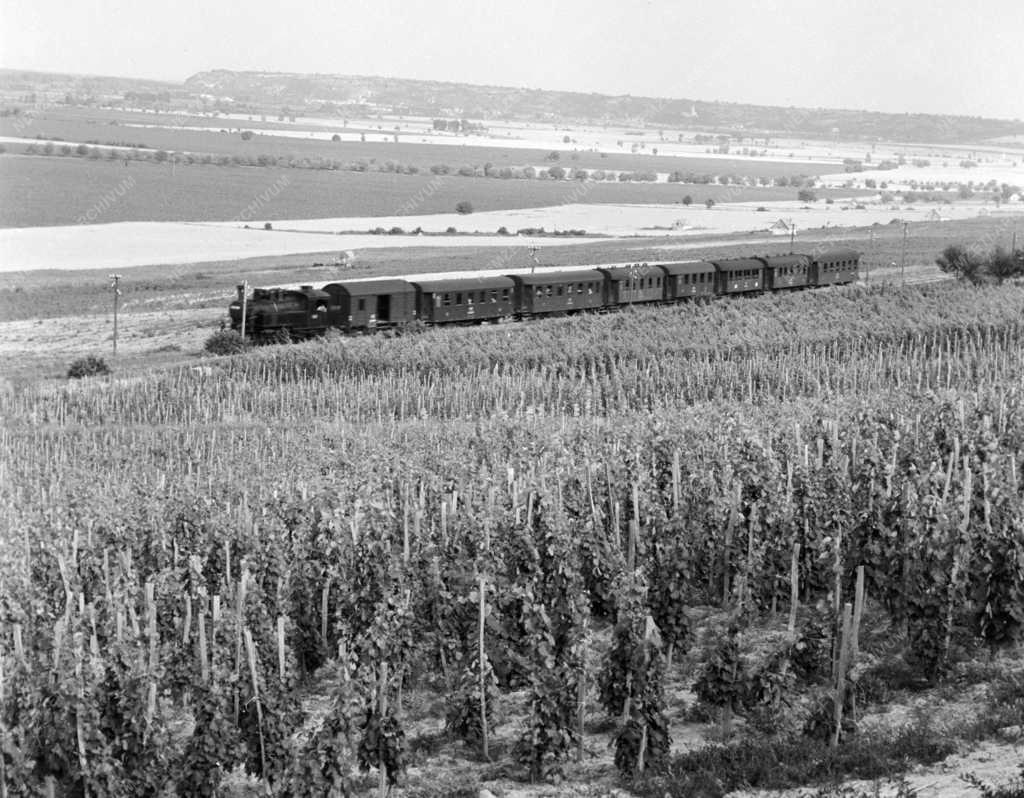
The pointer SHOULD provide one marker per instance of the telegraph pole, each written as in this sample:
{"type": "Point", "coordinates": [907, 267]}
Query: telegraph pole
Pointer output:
{"type": "Point", "coordinates": [871, 254]}
{"type": "Point", "coordinates": [115, 280]}
{"type": "Point", "coordinates": [792, 235]}
{"type": "Point", "coordinates": [903, 260]}
{"type": "Point", "coordinates": [243, 289]}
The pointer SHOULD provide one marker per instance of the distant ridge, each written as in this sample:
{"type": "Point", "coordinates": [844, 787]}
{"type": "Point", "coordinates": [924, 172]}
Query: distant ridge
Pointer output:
{"type": "Point", "coordinates": [440, 98]}
{"type": "Point", "coordinates": [346, 95]}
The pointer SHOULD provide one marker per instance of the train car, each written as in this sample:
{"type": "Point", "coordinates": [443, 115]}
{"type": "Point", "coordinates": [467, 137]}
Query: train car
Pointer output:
{"type": "Point", "coordinates": [640, 282]}
{"type": "Point", "coordinates": [464, 299]}
{"type": "Point", "coordinates": [836, 267]}
{"type": "Point", "coordinates": [367, 305]}
{"type": "Point", "coordinates": [273, 311]}
{"type": "Point", "coordinates": [689, 280]}
{"type": "Point", "coordinates": [739, 276]}
{"type": "Point", "coordinates": [558, 292]}
{"type": "Point", "coordinates": [783, 272]}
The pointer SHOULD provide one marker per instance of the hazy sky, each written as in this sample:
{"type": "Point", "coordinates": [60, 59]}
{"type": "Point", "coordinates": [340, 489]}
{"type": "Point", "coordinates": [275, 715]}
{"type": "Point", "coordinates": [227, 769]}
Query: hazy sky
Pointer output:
{"type": "Point", "coordinates": [947, 56]}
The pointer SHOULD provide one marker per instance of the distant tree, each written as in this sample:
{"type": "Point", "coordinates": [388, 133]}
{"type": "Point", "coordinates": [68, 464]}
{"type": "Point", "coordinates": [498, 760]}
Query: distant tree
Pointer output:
{"type": "Point", "coordinates": [464, 207]}
{"type": "Point", "coordinates": [566, 139]}
{"type": "Point", "coordinates": [806, 195]}
{"type": "Point", "coordinates": [556, 172]}
{"type": "Point", "coordinates": [362, 137]}
{"type": "Point", "coordinates": [965, 192]}
{"type": "Point", "coordinates": [552, 156]}
{"type": "Point", "coordinates": [687, 200]}
{"type": "Point", "coordinates": [246, 135]}
{"type": "Point", "coordinates": [962, 263]}
{"type": "Point", "coordinates": [335, 137]}
{"type": "Point", "coordinates": [709, 203]}
{"type": "Point", "coordinates": [451, 231]}
{"type": "Point", "coordinates": [529, 172]}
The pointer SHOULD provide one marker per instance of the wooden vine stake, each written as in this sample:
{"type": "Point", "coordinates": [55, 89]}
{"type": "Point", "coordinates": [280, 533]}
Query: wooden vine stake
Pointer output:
{"type": "Point", "coordinates": [204, 667]}
{"type": "Point", "coordinates": [482, 658]}
{"type": "Point", "coordinates": [3, 761]}
{"type": "Point", "coordinates": [382, 704]}
{"type": "Point", "coordinates": [794, 588]}
{"type": "Point", "coordinates": [250, 649]}
{"type": "Point", "coordinates": [844, 662]}
{"type": "Point", "coordinates": [280, 647]}
{"type": "Point", "coordinates": [325, 595]}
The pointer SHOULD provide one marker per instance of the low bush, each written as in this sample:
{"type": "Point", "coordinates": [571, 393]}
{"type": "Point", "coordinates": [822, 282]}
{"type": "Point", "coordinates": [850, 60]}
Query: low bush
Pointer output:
{"type": "Point", "coordinates": [89, 366]}
{"type": "Point", "coordinates": [226, 342]}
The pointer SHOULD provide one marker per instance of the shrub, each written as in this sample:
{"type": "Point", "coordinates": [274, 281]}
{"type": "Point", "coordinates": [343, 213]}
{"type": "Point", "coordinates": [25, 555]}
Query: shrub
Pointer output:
{"type": "Point", "coordinates": [226, 342]}
{"type": "Point", "coordinates": [246, 135]}
{"type": "Point", "coordinates": [464, 207]}
{"type": "Point", "coordinates": [89, 366]}
{"type": "Point", "coordinates": [268, 226]}
{"type": "Point", "coordinates": [451, 231]}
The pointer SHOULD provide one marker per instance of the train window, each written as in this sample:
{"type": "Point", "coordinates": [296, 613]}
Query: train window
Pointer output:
{"type": "Point", "coordinates": [493, 295]}
{"type": "Point", "coordinates": [469, 297]}
{"type": "Point", "coordinates": [547, 290]}
{"type": "Point", "coordinates": [504, 294]}
{"type": "Point", "coordinates": [362, 304]}
{"type": "Point", "coordinates": [437, 300]}
{"type": "Point", "coordinates": [447, 300]}
{"type": "Point", "coordinates": [458, 299]}
{"type": "Point", "coordinates": [540, 291]}
{"type": "Point", "coordinates": [559, 290]}
{"type": "Point", "coordinates": [659, 281]}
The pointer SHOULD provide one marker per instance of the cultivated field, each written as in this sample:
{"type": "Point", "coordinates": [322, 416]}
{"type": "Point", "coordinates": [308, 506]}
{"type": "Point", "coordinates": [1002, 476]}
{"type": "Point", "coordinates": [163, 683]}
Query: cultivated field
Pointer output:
{"type": "Point", "coordinates": [39, 190]}
{"type": "Point", "coordinates": [601, 556]}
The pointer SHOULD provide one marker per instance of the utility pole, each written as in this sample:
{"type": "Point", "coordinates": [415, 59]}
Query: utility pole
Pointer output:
{"type": "Point", "coordinates": [115, 280]}
{"type": "Point", "coordinates": [871, 254]}
{"type": "Point", "coordinates": [903, 260]}
{"type": "Point", "coordinates": [792, 235]}
{"type": "Point", "coordinates": [243, 289]}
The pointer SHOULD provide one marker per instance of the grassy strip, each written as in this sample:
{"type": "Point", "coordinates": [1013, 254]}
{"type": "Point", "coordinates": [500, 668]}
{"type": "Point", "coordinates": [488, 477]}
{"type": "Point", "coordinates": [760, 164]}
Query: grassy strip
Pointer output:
{"type": "Point", "coordinates": [718, 769]}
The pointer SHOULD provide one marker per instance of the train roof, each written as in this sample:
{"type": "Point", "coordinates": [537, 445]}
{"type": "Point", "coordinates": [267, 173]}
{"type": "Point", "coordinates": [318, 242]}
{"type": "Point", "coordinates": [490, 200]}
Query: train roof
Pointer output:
{"type": "Point", "coordinates": [843, 253]}
{"type": "Point", "coordinates": [688, 267]}
{"type": "Point", "coordinates": [372, 287]}
{"type": "Point", "coordinates": [631, 271]}
{"type": "Point", "coordinates": [739, 264]}
{"type": "Point", "coordinates": [463, 283]}
{"type": "Point", "coordinates": [781, 261]}
{"type": "Point", "coordinates": [568, 276]}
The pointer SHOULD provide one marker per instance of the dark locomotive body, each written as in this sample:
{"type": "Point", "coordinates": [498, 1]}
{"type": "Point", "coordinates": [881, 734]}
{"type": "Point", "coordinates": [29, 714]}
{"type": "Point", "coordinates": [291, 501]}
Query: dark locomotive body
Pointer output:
{"type": "Point", "coordinates": [355, 306]}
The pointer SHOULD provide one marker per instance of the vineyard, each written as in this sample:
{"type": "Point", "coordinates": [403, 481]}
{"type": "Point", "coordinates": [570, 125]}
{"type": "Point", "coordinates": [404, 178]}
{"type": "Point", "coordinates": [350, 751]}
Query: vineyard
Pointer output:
{"type": "Point", "coordinates": [265, 575]}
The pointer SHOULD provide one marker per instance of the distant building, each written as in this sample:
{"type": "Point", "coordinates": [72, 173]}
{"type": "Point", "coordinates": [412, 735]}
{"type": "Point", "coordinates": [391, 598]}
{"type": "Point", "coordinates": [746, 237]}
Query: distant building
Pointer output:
{"type": "Point", "coordinates": [780, 228]}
